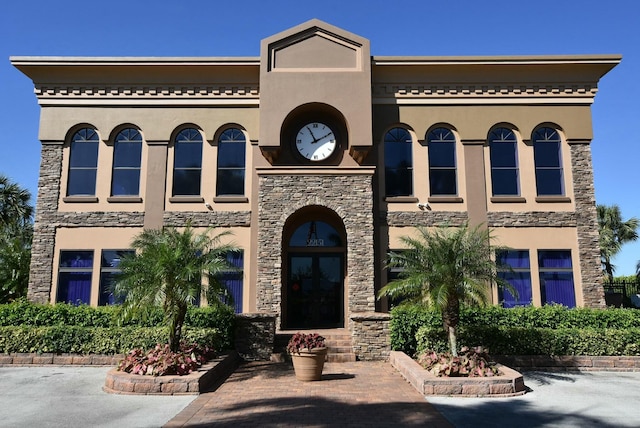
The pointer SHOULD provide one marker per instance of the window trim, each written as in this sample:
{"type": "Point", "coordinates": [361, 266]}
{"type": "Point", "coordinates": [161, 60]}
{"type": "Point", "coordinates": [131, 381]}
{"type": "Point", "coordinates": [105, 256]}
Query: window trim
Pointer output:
{"type": "Point", "coordinates": [553, 197]}
{"type": "Point", "coordinates": [222, 143]}
{"type": "Point", "coordinates": [502, 143]}
{"type": "Point", "coordinates": [409, 169]}
{"type": "Point", "coordinates": [439, 140]}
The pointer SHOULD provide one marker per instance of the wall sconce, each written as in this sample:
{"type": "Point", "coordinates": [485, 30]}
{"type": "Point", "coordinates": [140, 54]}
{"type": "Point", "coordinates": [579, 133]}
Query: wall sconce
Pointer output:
{"type": "Point", "coordinates": [208, 205]}
{"type": "Point", "coordinates": [424, 206]}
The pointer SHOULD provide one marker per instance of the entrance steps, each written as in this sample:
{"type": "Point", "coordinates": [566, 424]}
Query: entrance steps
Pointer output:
{"type": "Point", "coordinates": [337, 340]}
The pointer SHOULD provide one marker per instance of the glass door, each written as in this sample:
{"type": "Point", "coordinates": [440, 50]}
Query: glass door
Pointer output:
{"type": "Point", "coordinates": [315, 290]}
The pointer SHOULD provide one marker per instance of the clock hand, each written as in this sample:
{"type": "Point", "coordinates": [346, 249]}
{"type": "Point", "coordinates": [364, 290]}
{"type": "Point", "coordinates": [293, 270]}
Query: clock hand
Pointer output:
{"type": "Point", "coordinates": [324, 136]}
{"type": "Point", "coordinates": [315, 140]}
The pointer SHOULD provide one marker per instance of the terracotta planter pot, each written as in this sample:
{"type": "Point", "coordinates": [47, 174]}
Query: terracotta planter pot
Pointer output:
{"type": "Point", "coordinates": [308, 363]}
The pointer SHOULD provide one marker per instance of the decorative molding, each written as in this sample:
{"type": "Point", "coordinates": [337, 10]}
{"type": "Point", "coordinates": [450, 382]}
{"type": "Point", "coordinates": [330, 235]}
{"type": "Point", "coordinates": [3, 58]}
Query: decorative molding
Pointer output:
{"type": "Point", "coordinates": [246, 92]}
{"type": "Point", "coordinates": [385, 93]}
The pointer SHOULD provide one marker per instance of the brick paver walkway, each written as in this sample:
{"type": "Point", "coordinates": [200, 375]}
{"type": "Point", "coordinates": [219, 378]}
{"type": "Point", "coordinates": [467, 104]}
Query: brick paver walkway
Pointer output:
{"type": "Point", "coordinates": [366, 394]}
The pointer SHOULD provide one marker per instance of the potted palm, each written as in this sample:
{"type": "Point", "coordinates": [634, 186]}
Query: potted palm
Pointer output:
{"type": "Point", "coordinates": [308, 353]}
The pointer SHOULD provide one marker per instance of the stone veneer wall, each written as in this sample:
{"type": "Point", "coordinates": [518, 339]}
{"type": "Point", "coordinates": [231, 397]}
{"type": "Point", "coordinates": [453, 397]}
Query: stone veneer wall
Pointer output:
{"type": "Point", "coordinates": [587, 222]}
{"type": "Point", "coordinates": [350, 195]}
{"type": "Point", "coordinates": [371, 336]}
{"type": "Point", "coordinates": [426, 218]}
{"type": "Point", "coordinates": [531, 219]}
{"type": "Point", "coordinates": [255, 336]}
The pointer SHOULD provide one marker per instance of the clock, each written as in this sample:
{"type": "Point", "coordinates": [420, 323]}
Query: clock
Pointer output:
{"type": "Point", "coordinates": [316, 141]}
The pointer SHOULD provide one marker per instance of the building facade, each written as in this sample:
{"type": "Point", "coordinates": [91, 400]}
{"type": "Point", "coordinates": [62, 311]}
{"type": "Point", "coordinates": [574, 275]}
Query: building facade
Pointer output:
{"type": "Point", "coordinates": [318, 157]}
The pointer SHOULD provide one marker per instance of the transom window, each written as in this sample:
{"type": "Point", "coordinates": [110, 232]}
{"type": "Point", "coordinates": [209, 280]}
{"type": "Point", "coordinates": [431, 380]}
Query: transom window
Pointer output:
{"type": "Point", "coordinates": [315, 234]}
{"type": "Point", "coordinates": [548, 160]}
{"type": "Point", "coordinates": [442, 162]}
{"type": "Point", "coordinates": [231, 163]}
{"type": "Point", "coordinates": [127, 154]}
{"type": "Point", "coordinates": [187, 163]}
{"type": "Point", "coordinates": [504, 162]}
{"type": "Point", "coordinates": [83, 163]}
{"type": "Point", "coordinates": [398, 163]}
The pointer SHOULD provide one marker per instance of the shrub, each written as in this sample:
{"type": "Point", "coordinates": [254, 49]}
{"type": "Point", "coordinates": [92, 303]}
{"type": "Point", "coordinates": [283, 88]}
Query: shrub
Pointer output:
{"type": "Point", "coordinates": [537, 341]}
{"type": "Point", "coordinates": [161, 361]}
{"type": "Point", "coordinates": [470, 362]}
{"type": "Point", "coordinates": [24, 313]}
{"type": "Point", "coordinates": [406, 320]}
{"type": "Point", "coordinates": [95, 340]}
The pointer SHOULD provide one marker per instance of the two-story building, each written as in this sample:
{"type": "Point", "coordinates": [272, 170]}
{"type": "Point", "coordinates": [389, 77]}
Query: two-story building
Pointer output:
{"type": "Point", "coordinates": [318, 157]}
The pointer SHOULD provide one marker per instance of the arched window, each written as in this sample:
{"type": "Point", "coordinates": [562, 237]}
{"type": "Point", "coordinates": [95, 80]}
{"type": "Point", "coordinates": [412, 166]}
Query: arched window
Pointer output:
{"type": "Point", "coordinates": [442, 162]}
{"type": "Point", "coordinates": [231, 163]}
{"type": "Point", "coordinates": [127, 154]}
{"type": "Point", "coordinates": [398, 163]}
{"type": "Point", "coordinates": [83, 163]}
{"type": "Point", "coordinates": [503, 149]}
{"type": "Point", "coordinates": [187, 163]}
{"type": "Point", "coordinates": [548, 160]}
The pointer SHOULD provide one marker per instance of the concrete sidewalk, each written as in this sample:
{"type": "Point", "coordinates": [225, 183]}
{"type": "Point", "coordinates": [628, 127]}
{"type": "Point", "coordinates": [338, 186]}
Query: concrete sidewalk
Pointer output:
{"type": "Point", "coordinates": [350, 394]}
{"type": "Point", "coordinates": [72, 396]}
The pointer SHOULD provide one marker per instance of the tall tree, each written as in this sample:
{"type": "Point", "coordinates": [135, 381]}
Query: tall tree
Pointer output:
{"type": "Point", "coordinates": [167, 270]}
{"type": "Point", "coordinates": [443, 268]}
{"type": "Point", "coordinates": [16, 232]}
{"type": "Point", "coordinates": [614, 233]}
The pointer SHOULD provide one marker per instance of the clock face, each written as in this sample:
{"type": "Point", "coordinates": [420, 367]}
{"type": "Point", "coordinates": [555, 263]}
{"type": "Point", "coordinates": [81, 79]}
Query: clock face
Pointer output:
{"type": "Point", "coordinates": [316, 141]}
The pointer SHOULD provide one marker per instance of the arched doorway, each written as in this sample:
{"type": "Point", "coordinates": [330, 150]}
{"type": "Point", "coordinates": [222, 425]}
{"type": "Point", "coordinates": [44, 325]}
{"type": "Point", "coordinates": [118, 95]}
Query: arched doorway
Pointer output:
{"type": "Point", "coordinates": [314, 247]}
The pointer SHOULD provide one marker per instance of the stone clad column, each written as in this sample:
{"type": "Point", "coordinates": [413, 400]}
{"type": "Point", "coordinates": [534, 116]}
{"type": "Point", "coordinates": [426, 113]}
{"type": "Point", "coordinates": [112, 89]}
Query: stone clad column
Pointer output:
{"type": "Point", "coordinates": [154, 195]}
{"type": "Point", "coordinates": [44, 229]}
{"type": "Point", "coordinates": [587, 224]}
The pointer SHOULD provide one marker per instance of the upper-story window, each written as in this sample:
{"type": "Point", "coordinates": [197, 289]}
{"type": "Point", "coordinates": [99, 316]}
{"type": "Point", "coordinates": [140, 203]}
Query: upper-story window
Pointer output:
{"type": "Point", "coordinates": [442, 162]}
{"type": "Point", "coordinates": [231, 163]}
{"type": "Point", "coordinates": [547, 146]}
{"type": "Point", "coordinates": [83, 163]}
{"type": "Point", "coordinates": [127, 154]}
{"type": "Point", "coordinates": [187, 163]}
{"type": "Point", "coordinates": [398, 163]}
{"type": "Point", "coordinates": [503, 148]}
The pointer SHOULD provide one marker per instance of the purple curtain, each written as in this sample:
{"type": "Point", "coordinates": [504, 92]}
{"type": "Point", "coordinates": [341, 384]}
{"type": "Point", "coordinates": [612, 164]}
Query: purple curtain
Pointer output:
{"type": "Point", "coordinates": [521, 281]}
{"type": "Point", "coordinates": [557, 287]}
{"type": "Point", "coordinates": [74, 287]}
{"type": "Point", "coordinates": [232, 281]}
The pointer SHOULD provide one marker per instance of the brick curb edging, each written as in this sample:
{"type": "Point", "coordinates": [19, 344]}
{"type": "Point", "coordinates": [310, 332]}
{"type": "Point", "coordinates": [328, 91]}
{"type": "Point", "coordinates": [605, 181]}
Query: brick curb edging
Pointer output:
{"type": "Point", "coordinates": [35, 359]}
{"type": "Point", "coordinates": [209, 374]}
{"type": "Point", "coordinates": [578, 363]}
{"type": "Point", "coordinates": [510, 384]}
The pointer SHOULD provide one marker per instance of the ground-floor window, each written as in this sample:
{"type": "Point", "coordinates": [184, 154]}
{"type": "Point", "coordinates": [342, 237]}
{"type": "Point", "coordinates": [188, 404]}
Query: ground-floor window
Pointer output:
{"type": "Point", "coordinates": [74, 277]}
{"type": "Point", "coordinates": [233, 280]}
{"type": "Point", "coordinates": [514, 267]}
{"type": "Point", "coordinates": [556, 277]}
{"type": "Point", "coordinates": [109, 270]}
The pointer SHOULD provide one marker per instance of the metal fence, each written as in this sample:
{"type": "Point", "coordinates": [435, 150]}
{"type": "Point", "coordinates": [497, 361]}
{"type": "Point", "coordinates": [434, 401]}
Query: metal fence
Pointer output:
{"type": "Point", "coordinates": [619, 293]}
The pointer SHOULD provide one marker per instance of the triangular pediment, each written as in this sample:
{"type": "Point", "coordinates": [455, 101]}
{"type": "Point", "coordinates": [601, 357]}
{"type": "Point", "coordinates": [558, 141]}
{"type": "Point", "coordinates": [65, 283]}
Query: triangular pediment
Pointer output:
{"type": "Point", "coordinates": [314, 45]}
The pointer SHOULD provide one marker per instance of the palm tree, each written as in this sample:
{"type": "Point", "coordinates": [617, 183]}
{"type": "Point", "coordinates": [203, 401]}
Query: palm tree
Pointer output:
{"type": "Point", "coordinates": [443, 268]}
{"type": "Point", "coordinates": [16, 232]}
{"type": "Point", "coordinates": [167, 270]}
{"type": "Point", "coordinates": [614, 232]}
{"type": "Point", "coordinates": [15, 210]}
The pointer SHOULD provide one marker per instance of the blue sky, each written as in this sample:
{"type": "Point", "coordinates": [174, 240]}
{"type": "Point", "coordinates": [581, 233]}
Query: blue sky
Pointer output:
{"type": "Point", "coordinates": [421, 27]}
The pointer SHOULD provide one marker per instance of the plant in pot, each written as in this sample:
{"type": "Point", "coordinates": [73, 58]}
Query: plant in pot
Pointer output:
{"type": "Point", "coordinates": [308, 353]}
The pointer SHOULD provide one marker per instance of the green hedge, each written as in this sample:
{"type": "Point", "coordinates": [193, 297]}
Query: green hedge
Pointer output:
{"type": "Point", "coordinates": [537, 341]}
{"type": "Point", "coordinates": [23, 313]}
{"type": "Point", "coordinates": [96, 340]}
{"type": "Point", "coordinates": [406, 320]}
